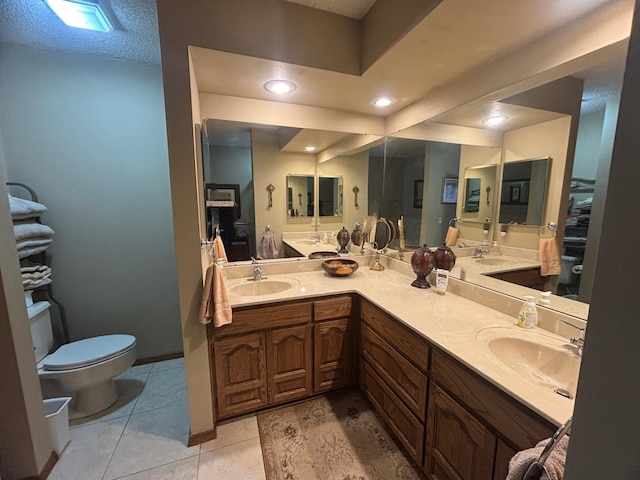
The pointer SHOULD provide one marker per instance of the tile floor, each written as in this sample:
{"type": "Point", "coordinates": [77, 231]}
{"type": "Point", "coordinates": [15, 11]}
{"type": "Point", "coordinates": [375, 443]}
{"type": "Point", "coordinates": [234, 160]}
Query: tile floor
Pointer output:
{"type": "Point", "coordinates": [143, 436]}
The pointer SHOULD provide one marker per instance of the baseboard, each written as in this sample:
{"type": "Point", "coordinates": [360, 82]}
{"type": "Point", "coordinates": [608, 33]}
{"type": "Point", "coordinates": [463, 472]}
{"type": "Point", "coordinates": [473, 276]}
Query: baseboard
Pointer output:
{"type": "Point", "coordinates": [195, 439]}
{"type": "Point", "coordinates": [159, 358]}
{"type": "Point", "coordinates": [46, 470]}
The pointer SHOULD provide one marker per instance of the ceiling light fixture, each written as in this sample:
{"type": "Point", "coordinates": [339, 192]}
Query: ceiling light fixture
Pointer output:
{"type": "Point", "coordinates": [495, 120]}
{"type": "Point", "coordinates": [382, 102]}
{"type": "Point", "coordinates": [280, 87]}
{"type": "Point", "coordinates": [309, 148]}
{"type": "Point", "coordinates": [81, 14]}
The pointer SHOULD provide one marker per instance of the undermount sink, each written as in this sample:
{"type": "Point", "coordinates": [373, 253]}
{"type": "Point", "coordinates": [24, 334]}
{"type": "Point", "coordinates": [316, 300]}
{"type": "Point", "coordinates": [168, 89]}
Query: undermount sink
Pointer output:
{"type": "Point", "coordinates": [494, 261]}
{"type": "Point", "coordinates": [261, 287]}
{"type": "Point", "coordinates": [541, 358]}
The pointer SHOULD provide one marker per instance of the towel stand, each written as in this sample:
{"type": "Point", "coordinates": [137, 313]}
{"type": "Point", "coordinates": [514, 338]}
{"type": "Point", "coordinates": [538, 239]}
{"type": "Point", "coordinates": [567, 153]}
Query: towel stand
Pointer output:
{"type": "Point", "coordinates": [550, 227]}
{"type": "Point", "coordinates": [455, 222]}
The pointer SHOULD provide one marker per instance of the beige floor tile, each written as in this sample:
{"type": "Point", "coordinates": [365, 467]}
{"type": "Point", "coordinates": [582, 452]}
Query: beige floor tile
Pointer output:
{"type": "Point", "coordinates": [242, 460]}
{"type": "Point", "coordinates": [233, 432]}
{"type": "Point", "coordinates": [162, 388]}
{"type": "Point", "coordinates": [168, 364]}
{"type": "Point", "coordinates": [150, 439]}
{"type": "Point", "coordinates": [129, 390]}
{"type": "Point", "coordinates": [186, 469]}
{"type": "Point", "coordinates": [87, 455]}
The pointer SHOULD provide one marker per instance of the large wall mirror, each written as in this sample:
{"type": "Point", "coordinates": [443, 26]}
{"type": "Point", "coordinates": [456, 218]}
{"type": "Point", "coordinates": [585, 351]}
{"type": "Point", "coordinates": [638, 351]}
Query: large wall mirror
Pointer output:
{"type": "Point", "coordinates": [404, 175]}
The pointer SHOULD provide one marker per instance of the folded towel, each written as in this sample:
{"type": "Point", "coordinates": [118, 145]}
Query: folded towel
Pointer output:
{"type": "Point", "coordinates": [42, 283]}
{"type": "Point", "coordinates": [215, 303]}
{"type": "Point", "coordinates": [33, 242]}
{"type": "Point", "coordinates": [21, 208]}
{"type": "Point", "coordinates": [267, 247]}
{"type": "Point", "coordinates": [31, 228]}
{"type": "Point", "coordinates": [219, 250]}
{"type": "Point", "coordinates": [553, 468]}
{"type": "Point", "coordinates": [549, 257]}
{"type": "Point", "coordinates": [452, 236]}
{"type": "Point", "coordinates": [28, 251]}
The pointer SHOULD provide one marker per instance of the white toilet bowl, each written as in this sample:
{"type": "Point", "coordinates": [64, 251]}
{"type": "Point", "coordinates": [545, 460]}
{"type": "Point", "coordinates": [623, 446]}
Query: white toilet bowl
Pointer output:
{"type": "Point", "coordinates": [83, 370]}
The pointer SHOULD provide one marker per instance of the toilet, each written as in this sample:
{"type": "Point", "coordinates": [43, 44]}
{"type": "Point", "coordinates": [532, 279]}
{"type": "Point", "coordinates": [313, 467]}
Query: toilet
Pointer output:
{"type": "Point", "coordinates": [84, 369]}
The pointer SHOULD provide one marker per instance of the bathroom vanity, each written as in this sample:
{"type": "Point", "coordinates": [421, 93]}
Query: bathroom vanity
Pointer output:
{"type": "Point", "coordinates": [420, 359]}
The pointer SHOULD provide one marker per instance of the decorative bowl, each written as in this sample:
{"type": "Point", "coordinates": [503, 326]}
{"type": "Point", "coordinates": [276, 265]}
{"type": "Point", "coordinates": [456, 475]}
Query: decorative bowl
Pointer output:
{"type": "Point", "coordinates": [340, 267]}
{"type": "Point", "coordinates": [323, 254]}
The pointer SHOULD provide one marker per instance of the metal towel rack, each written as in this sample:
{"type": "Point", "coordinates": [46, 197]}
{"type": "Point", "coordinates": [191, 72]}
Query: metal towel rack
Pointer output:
{"type": "Point", "coordinates": [455, 222]}
{"type": "Point", "coordinates": [534, 472]}
{"type": "Point", "coordinates": [550, 227]}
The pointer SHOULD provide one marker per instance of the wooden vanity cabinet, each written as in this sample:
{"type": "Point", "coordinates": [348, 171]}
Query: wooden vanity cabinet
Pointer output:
{"type": "Point", "coordinates": [473, 427]}
{"type": "Point", "coordinates": [393, 376]}
{"type": "Point", "coordinates": [335, 361]}
{"type": "Point", "coordinates": [290, 252]}
{"type": "Point", "coordinates": [529, 277]}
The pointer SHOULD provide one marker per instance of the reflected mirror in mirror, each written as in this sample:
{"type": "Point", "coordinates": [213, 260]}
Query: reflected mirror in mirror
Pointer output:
{"type": "Point", "coordinates": [382, 234]}
{"type": "Point", "coordinates": [300, 194]}
{"type": "Point", "coordinates": [479, 193]}
{"type": "Point", "coordinates": [330, 196]}
{"type": "Point", "coordinates": [524, 186]}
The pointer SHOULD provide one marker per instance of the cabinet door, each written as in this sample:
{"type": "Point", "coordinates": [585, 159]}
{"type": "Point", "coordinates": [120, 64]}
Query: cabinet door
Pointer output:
{"type": "Point", "coordinates": [289, 363]}
{"type": "Point", "coordinates": [458, 447]}
{"type": "Point", "coordinates": [240, 374]}
{"type": "Point", "coordinates": [333, 355]}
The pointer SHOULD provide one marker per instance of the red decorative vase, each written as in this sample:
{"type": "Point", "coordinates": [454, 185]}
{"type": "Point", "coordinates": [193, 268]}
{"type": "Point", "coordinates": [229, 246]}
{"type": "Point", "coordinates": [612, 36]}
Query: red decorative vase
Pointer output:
{"type": "Point", "coordinates": [343, 238]}
{"type": "Point", "coordinates": [356, 235]}
{"type": "Point", "coordinates": [445, 258]}
{"type": "Point", "coordinates": [423, 261]}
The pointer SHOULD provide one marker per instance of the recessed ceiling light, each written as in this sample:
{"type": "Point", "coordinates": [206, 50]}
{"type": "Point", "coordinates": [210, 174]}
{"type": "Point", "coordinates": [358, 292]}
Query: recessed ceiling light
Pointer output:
{"type": "Point", "coordinates": [382, 102]}
{"type": "Point", "coordinates": [495, 120]}
{"type": "Point", "coordinates": [81, 14]}
{"type": "Point", "coordinates": [309, 148]}
{"type": "Point", "coordinates": [280, 87]}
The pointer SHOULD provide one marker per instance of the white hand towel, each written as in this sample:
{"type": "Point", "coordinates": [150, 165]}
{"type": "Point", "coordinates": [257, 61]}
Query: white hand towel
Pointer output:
{"type": "Point", "coordinates": [31, 228]}
{"type": "Point", "coordinates": [267, 248]}
{"type": "Point", "coordinates": [21, 208]}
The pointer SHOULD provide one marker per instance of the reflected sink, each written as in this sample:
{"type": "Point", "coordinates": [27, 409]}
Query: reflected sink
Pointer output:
{"type": "Point", "coordinates": [494, 261]}
{"type": "Point", "coordinates": [262, 287]}
{"type": "Point", "coordinates": [540, 358]}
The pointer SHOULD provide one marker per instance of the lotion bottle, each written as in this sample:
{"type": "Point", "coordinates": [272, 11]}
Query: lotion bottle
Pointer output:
{"type": "Point", "coordinates": [528, 316]}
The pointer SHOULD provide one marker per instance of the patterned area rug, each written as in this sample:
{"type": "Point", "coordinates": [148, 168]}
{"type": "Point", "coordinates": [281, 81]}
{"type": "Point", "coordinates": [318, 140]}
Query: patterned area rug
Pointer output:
{"type": "Point", "coordinates": [334, 437]}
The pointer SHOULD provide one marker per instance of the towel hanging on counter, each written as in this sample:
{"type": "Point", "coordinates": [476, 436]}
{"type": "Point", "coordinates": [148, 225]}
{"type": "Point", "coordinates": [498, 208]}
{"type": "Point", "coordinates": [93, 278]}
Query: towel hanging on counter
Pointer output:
{"type": "Point", "coordinates": [214, 305]}
{"type": "Point", "coordinates": [552, 469]}
{"type": "Point", "coordinates": [549, 257]}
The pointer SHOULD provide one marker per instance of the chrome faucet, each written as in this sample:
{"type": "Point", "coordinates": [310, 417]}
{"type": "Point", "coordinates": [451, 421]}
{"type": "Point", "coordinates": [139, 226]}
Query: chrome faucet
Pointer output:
{"type": "Point", "coordinates": [578, 342]}
{"type": "Point", "coordinates": [480, 251]}
{"type": "Point", "coordinates": [257, 271]}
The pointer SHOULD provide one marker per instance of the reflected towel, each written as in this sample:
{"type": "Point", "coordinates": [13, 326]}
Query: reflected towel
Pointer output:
{"type": "Point", "coordinates": [267, 247]}
{"type": "Point", "coordinates": [452, 236]}
{"type": "Point", "coordinates": [553, 468]}
{"type": "Point", "coordinates": [215, 302]}
{"type": "Point", "coordinates": [549, 257]}
{"type": "Point", "coordinates": [218, 248]}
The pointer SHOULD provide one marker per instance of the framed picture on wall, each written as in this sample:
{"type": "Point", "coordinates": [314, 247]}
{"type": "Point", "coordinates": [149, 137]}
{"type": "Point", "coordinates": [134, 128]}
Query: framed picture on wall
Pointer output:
{"type": "Point", "coordinates": [449, 190]}
{"type": "Point", "coordinates": [418, 186]}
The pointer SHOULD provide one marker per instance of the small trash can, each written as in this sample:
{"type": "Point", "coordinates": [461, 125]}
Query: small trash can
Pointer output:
{"type": "Point", "coordinates": [57, 415]}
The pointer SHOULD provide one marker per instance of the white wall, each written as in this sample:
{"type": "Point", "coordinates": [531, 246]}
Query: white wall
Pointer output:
{"type": "Point", "coordinates": [88, 134]}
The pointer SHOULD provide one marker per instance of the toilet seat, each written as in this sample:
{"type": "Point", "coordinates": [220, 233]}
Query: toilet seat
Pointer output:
{"type": "Point", "coordinates": [87, 352]}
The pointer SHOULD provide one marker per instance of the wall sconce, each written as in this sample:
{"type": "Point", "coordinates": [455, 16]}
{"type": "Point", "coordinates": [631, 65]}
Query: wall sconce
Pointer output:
{"type": "Point", "coordinates": [503, 229]}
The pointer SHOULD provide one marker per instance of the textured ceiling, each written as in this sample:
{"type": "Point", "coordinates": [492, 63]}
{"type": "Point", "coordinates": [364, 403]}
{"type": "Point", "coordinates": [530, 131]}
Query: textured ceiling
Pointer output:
{"type": "Point", "coordinates": [348, 8]}
{"type": "Point", "coordinates": [135, 38]}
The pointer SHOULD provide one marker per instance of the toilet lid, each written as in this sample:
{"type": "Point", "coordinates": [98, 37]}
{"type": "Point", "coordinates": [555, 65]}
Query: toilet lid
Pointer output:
{"type": "Point", "coordinates": [89, 351]}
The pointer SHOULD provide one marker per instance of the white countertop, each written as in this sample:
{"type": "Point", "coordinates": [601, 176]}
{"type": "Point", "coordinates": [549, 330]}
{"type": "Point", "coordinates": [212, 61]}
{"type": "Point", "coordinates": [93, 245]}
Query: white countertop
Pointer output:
{"type": "Point", "coordinates": [448, 321]}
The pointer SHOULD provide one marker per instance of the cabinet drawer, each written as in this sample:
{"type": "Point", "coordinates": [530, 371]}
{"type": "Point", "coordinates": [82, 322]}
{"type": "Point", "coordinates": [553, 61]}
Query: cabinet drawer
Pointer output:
{"type": "Point", "coordinates": [404, 424]}
{"type": "Point", "coordinates": [339, 307]}
{"type": "Point", "coordinates": [405, 380]}
{"type": "Point", "coordinates": [411, 345]}
{"type": "Point", "coordinates": [263, 318]}
{"type": "Point", "coordinates": [515, 422]}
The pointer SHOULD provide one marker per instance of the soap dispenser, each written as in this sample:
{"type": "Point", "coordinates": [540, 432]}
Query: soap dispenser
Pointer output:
{"type": "Point", "coordinates": [528, 315]}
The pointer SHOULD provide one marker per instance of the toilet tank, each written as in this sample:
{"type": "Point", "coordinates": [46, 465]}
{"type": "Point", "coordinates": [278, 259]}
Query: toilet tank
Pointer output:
{"type": "Point", "coordinates": [41, 331]}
